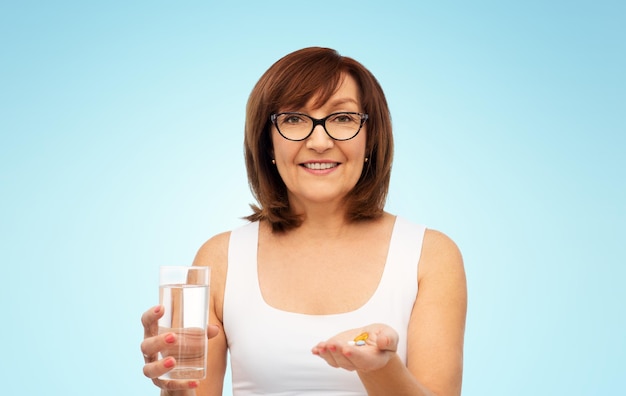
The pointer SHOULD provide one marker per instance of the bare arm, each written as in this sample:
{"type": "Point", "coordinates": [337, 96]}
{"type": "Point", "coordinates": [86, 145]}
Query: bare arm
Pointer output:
{"type": "Point", "coordinates": [214, 254]}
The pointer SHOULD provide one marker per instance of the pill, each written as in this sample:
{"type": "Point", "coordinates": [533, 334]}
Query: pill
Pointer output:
{"type": "Point", "coordinates": [361, 337]}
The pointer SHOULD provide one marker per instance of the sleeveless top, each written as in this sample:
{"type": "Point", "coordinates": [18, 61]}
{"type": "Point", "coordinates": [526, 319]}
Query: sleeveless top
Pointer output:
{"type": "Point", "coordinates": [270, 349]}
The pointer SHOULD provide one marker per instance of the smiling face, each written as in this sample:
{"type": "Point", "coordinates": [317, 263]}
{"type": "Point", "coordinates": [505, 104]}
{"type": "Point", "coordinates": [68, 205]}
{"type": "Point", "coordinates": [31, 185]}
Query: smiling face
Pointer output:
{"type": "Point", "coordinates": [316, 81]}
{"type": "Point", "coordinates": [319, 169]}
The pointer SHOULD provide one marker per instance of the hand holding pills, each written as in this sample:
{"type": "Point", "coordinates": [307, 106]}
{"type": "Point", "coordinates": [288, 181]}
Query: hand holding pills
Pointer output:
{"type": "Point", "coordinates": [362, 349]}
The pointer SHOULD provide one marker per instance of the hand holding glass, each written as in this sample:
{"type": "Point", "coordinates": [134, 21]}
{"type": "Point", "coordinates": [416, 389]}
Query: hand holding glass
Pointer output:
{"type": "Point", "coordinates": [184, 293]}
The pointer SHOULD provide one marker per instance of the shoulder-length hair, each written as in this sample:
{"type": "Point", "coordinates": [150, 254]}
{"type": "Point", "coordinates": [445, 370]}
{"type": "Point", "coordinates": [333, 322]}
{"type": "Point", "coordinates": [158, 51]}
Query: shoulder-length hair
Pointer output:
{"type": "Point", "coordinates": [291, 82]}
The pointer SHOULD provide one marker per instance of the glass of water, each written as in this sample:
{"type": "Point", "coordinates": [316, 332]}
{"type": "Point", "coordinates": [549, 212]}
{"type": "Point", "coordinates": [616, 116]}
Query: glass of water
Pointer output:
{"type": "Point", "coordinates": [184, 293]}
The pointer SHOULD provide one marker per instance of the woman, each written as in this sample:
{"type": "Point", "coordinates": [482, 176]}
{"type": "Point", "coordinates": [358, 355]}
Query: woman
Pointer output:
{"type": "Point", "coordinates": [321, 268]}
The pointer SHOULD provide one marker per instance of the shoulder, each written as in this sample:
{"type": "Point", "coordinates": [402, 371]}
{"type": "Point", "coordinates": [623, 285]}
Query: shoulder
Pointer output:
{"type": "Point", "coordinates": [214, 252]}
{"type": "Point", "coordinates": [436, 245]}
{"type": "Point", "coordinates": [439, 254]}
{"type": "Point", "coordinates": [440, 243]}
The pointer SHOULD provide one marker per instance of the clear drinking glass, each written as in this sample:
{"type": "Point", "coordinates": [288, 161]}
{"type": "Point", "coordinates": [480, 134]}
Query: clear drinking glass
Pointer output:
{"type": "Point", "coordinates": [184, 293]}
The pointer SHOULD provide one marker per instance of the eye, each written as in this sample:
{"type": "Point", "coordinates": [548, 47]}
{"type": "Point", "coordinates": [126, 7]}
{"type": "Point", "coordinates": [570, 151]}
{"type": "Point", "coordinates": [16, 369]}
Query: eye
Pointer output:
{"type": "Point", "coordinates": [344, 118]}
{"type": "Point", "coordinates": [292, 119]}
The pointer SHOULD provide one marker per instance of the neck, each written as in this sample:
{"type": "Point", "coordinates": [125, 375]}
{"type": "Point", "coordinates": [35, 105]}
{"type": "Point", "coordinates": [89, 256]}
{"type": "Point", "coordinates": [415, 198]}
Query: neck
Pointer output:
{"type": "Point", "coordinates": [323, 218]}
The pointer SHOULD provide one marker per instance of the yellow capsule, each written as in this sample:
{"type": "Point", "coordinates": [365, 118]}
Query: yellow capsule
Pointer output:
{"type": "Point", "coordinates": [361, 337]}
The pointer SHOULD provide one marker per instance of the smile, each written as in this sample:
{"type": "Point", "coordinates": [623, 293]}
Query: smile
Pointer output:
{"type": "Point", "coordinates": [320, 165]}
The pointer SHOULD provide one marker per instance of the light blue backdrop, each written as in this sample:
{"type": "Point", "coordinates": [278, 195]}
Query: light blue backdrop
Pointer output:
{"type": "Point", "coordinates": [121, 150]}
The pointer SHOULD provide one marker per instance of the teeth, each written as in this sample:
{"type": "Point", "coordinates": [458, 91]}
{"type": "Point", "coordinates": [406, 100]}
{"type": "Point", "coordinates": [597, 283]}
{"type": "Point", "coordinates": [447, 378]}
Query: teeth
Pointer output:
{"type": "Point", "coordinates": [319, 166]}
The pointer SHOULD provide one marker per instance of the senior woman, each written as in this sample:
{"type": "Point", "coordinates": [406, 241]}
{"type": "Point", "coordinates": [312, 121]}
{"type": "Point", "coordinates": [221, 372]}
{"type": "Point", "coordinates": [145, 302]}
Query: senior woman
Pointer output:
{"type": "Point", "coordinates": [323, 292]}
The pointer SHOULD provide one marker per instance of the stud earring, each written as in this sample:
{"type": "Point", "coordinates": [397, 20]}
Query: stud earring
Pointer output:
{"type": "Point", "coordinates": [273, 161]}
{"type": "Point", "coordinates": [366, 159]}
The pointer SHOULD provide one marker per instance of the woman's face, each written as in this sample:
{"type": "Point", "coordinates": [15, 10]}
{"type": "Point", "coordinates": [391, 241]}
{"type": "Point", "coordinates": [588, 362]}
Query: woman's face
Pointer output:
{"type": "Point", "coordinates": [319, 169]}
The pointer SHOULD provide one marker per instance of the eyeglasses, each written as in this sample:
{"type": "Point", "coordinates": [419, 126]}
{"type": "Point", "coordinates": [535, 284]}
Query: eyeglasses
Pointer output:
{"type": "Point", "coordinates": [299, 126]}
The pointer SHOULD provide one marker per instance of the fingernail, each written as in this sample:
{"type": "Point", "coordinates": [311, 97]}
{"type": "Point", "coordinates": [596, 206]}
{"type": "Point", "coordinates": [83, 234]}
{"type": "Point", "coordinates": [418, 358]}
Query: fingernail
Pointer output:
{"type": "Point", "coordinates": [170, 338]}
{"type": "Point", "coordinates": [193, 384]}
{"type": "Point", "coordinates": [157, 309]}
{"type": "Point", "coordinates": [332, 348]}
{"type": "Point", "coordinates": [169, 363]}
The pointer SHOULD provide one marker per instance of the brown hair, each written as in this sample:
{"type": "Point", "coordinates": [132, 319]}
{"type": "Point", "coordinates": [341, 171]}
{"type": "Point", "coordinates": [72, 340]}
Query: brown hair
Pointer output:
{"type": "Point", "coordinates": [291, 82]}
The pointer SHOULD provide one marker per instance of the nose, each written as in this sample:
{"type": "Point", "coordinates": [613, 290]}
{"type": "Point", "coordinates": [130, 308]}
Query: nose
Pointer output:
{"type": "Point", "coordinates": [319, 140]}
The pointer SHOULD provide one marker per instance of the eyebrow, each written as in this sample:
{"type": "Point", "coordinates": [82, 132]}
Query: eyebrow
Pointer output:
{"type": "Point", "coordinates": [341, 101]}
{"type": "Point", "coordinates": [333, 103]}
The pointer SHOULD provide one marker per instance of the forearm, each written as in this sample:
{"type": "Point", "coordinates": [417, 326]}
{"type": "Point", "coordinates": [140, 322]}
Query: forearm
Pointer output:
{"type": "Point", "coordinates": [393, 379]}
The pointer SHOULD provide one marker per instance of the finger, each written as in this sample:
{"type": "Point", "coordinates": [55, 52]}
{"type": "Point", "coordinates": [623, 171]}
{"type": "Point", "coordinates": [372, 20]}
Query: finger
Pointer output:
{"type": "Point", "coordinates": [151, 346]}
{"type": "Point", "coordinates": [329, 358]}
{"type": "Point", "coordinates": [212, 331]}
{"type": "Point", "coordinates": [337, 356]}
{"type": "Point", "coordinates": [176, 385]}
{"type": "Point", "coordinates": [318, 349]}
{"type": "Point", "coordinates": [150, 320]}
{"type": "Point", "coordinates": [322, 351]}
{"type": "Point", "coordinates": [342, 356]}
{"type": "Point", "coordinates": [158, 368]}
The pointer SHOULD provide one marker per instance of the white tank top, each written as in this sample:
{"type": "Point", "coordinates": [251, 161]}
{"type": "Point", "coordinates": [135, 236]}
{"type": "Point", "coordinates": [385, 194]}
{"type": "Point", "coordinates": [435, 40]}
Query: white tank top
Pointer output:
{"type": "Point", "coordinates": [270, 349]}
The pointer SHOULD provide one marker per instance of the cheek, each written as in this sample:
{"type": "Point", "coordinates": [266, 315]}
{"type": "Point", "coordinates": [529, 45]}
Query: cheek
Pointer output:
{"type": "Point", "coordinates": [283, 150]}
{"type": "Point", "coordinates": [361, 148]}
{"type": "Point", "coordinates": [278, 147]}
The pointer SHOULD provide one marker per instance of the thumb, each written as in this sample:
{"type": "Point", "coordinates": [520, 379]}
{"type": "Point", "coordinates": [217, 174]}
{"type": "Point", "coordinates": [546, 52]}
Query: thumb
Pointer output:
{"type": "Point", "coordinates": [212, 331]}
{"type": "Point", "coordinates": [387, 340]}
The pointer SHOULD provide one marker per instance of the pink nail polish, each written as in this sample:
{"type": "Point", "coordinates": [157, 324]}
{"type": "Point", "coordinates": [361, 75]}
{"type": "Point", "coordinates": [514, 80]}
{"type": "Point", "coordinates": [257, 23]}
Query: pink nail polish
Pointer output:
{"type": "Point", "coordinates": [169, 363]}
{"type": "Point", "coordinates": [193, 384]}
{"type": "Point", "coordinates": [157, 309]}
{"type": "Point", "coordinates": [170, 338]}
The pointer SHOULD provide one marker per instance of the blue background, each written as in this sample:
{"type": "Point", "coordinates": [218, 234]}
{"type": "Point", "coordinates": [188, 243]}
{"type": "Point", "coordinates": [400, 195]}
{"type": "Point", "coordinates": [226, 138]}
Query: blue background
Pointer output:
{"type": "Point", "coordinates": [121, 150]}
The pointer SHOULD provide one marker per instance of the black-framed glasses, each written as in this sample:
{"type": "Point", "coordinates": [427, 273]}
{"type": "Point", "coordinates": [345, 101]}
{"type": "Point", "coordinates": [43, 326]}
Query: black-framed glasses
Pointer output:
{"type": "Point", "coordinates": [299, 126]}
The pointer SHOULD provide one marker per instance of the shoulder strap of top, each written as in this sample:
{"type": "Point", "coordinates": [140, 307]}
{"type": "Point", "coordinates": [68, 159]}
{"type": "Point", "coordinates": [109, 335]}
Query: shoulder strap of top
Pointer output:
{"type": "Point", "coordinates": [242, 271]}
{"type": "Point", "coordinates": [400, 274]}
